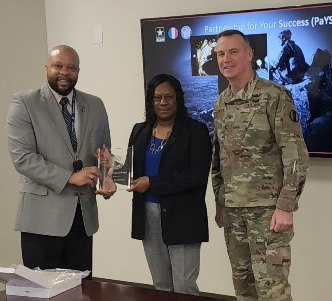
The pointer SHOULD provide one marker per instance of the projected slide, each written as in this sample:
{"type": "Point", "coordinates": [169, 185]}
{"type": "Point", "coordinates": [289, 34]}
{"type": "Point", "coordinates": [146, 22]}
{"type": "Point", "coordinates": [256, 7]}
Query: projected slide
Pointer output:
{"type": "Point", "coordinates": [292, 46]}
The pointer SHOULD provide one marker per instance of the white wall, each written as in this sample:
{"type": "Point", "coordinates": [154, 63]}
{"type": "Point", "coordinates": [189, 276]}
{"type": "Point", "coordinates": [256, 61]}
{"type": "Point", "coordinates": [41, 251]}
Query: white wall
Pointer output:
{"type": "Point", "coordinates": [22, 56]}
{"type": "Point", "coordinates": [113, 70]}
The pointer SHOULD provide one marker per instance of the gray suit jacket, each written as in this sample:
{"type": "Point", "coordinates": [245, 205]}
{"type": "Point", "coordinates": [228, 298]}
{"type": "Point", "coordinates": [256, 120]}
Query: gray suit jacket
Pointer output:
{"type": "Point", "coordinates": [42, 153]}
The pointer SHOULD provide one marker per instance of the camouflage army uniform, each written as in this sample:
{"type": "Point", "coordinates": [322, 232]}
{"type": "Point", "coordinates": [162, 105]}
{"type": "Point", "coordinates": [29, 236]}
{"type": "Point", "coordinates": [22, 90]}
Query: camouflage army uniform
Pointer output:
{"type": "Point", "coordinates": [259, 163]}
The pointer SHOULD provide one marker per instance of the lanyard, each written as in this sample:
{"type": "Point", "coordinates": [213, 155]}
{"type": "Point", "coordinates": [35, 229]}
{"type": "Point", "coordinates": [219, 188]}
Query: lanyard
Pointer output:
{"type": "Point", "coordinates": [79, 165]}
{"type": "Point", "coordinates": [73, 114]}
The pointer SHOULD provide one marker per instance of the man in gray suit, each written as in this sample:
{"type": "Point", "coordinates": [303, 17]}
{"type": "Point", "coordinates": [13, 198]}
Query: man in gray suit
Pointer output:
{"type": "Point", "coordinates": [53, 134]}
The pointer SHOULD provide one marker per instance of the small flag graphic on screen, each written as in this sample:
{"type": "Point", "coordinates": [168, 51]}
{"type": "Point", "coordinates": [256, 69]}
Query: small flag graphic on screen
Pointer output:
{"type": "Point", "coordinates": [160, 34]}
{"type": "Point", "coordinates": [173, 33]}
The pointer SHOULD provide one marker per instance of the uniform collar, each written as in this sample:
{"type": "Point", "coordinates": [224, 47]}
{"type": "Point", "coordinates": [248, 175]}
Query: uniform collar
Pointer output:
{"type": "Point", "coordinates": [245, 93]}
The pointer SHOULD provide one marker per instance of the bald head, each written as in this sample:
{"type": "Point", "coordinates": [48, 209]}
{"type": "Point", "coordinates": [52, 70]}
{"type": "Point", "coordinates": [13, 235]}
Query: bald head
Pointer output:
{"type": "Point", "coordinates": [62, 68]}
{"type": "Point", "coordinates": [65, 50]}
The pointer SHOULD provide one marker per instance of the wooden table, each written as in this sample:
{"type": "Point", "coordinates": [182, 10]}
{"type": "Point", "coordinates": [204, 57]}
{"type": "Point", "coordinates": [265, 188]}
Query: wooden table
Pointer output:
{"type": "Point", "coordinates": [105, 291]}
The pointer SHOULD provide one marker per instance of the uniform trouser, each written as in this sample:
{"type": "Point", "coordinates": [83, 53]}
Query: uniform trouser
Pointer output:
{"type": "Point", "coordinates": [260, 258]}
{"type": "Point", "coordinates": [172, 267]}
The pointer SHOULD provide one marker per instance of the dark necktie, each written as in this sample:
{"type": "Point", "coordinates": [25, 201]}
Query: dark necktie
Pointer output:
{"type": "Point", "coordinates": [69, 122]}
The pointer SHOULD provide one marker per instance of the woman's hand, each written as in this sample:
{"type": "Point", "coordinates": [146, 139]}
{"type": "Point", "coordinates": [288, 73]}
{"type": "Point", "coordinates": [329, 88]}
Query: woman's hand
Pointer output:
{"type": "Point", "coordinates": [141, 184]}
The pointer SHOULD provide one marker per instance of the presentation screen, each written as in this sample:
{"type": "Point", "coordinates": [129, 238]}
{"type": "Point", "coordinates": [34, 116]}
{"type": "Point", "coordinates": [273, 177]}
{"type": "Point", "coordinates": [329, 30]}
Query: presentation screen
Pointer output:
{"type": "Point", "coordinates": [292, 46]}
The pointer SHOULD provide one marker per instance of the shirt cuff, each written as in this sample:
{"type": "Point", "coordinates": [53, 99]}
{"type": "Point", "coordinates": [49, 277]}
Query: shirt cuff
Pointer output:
{"type": "Point", "coordinates": [286, 204]}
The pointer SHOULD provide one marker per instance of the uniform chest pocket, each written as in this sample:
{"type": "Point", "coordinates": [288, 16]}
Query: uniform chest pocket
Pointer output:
{"type": "Point", "coordinates": [259, 120]}
{"type": "Point", "coordinates": [238, 119]}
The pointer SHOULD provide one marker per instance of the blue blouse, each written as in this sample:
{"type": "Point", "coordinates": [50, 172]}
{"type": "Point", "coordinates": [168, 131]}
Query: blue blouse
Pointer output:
{"type": "Point", "coordinates": [152, 161]}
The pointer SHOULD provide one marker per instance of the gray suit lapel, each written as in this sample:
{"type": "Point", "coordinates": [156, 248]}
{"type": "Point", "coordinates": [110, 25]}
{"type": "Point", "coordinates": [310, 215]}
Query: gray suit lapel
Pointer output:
{"type": "Point", "coordinates": [56, 114]}
{"type": "Point", "coordinates": [83, 112]}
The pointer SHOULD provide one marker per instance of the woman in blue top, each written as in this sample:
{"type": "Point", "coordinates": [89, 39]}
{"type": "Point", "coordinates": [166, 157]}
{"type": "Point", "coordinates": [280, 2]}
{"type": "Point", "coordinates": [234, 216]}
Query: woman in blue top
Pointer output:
{"type": "Point", "coordinates": [172, 156]}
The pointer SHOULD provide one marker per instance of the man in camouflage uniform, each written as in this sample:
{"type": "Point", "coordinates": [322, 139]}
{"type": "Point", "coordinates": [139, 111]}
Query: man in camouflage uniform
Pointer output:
{"type": "Point", "coordinates": [258, 172]}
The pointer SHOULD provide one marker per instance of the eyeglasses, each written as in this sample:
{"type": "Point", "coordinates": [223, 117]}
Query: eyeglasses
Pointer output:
{"type": "Point", "coordinates": [166, 98]}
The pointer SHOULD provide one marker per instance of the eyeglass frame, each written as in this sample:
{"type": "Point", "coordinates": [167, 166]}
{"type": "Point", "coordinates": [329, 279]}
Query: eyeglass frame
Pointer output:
{"type": "Point", "coordinates": [168, 98]}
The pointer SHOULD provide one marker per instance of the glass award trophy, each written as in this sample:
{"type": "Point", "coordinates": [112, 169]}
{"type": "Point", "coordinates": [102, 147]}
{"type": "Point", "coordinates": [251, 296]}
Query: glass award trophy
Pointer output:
{"type": "Point", "coordinates": [116, 168]}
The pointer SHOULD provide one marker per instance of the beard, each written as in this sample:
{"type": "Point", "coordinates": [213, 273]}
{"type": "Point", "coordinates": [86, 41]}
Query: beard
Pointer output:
{"type": "Point", "coordinates": [64, 91]}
